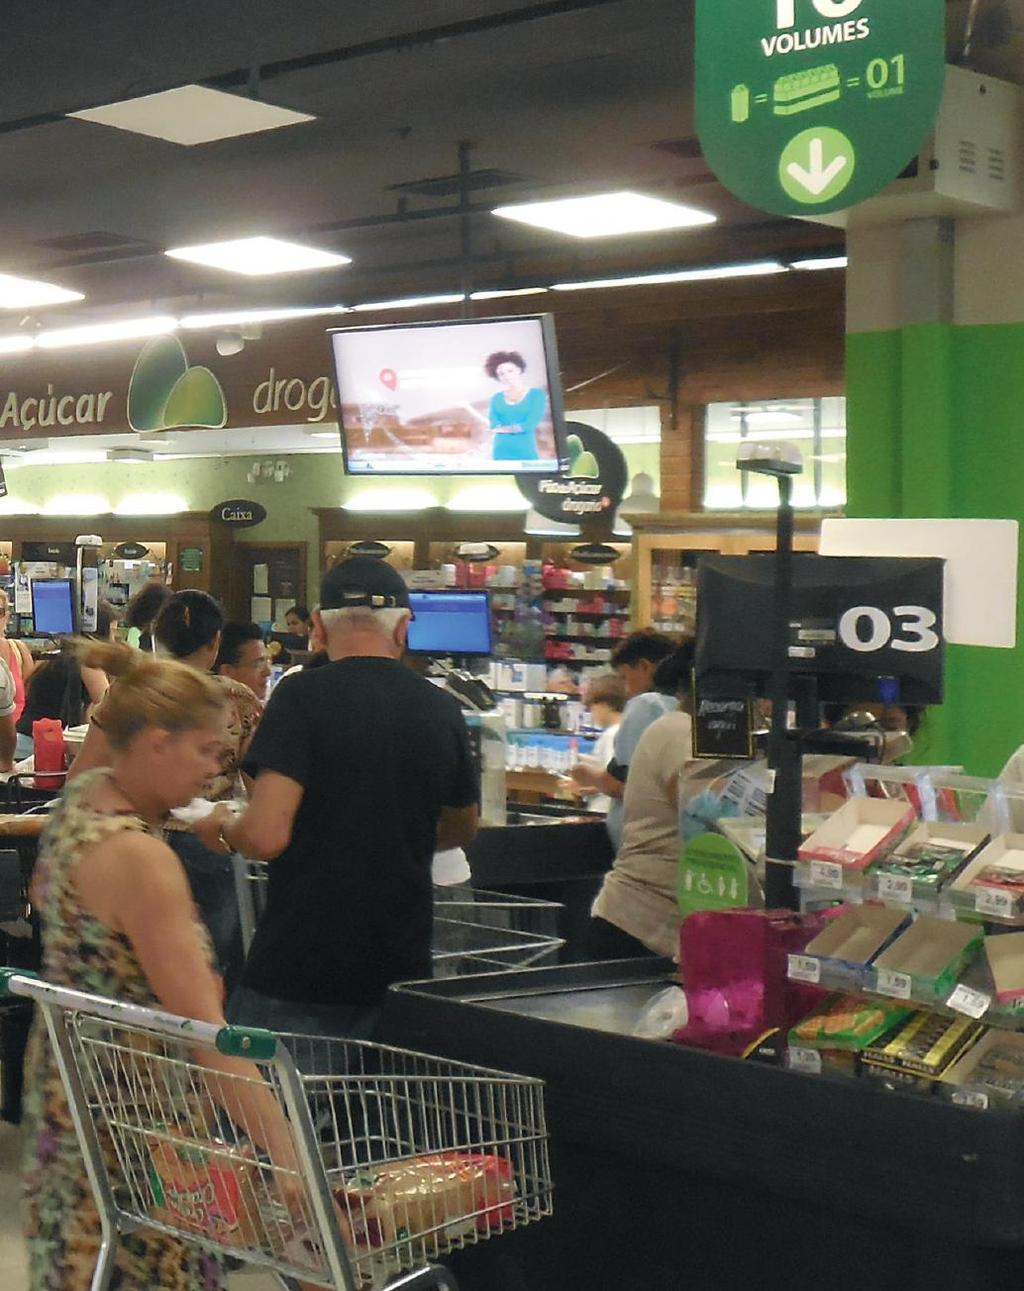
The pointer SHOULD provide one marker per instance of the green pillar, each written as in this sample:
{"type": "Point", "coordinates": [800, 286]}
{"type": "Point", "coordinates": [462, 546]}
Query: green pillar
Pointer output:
{"type": "Point", "coordinates": [936, 429]}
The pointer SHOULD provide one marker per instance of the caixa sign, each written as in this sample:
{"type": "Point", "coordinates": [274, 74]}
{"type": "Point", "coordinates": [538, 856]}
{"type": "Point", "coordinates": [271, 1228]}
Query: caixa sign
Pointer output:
{"type": "Point", "coordinates": [239, 513]}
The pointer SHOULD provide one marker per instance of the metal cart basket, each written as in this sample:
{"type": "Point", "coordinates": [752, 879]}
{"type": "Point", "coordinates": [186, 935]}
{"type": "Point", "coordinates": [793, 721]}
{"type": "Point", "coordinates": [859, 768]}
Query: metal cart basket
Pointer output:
{"type": "Point", "coordinates": [398, 1157]}
{"type": "Point", "coordinates": [474, 931]}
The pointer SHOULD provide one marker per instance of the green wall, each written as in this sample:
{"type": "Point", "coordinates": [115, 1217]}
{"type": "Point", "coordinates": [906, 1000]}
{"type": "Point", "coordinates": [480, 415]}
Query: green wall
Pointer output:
{"type": "Point", "coordinates": [936, 428]}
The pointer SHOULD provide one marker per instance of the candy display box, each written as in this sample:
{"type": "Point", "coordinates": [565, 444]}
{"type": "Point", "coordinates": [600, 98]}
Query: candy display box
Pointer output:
{"type": "Point", "coordinates": [993, 883]}
{"type": "Point", "coordinates": [860, 833]}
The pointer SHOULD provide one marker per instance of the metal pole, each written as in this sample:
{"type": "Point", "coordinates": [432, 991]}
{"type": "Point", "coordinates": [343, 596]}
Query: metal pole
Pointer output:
{"type": "Point", "coordinates": [785, 798]}
{"type": "Point", "coordinates": [465, 226]}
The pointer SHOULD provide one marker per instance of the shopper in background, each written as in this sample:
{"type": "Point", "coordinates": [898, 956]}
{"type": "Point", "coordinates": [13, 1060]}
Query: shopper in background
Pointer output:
{"type": "Point", "coordinates": [189, 628]}
{"type": "Point", "coordinates": [363, 770]}
{"type": "Point", "coordinates": [8, 735]}
{"type": "Point", "coordinates": [62, 687]}
{"type": "Point", "coordinates": [243, 657]}
{"type": "Point", "coordinates": [118, 921]}
{"type": "Point", "coordinates": [635, 912]}
{"type": "Point", "coordinates": [635, 662]}
{"type": "Point", "coordinates": [15, 654]}
{"type": "Point", "coordinates": [606, 698]}
{"type": "Point", "coordinates": [141, 612]}
{"type": "Point", "coordinates": [299, 621]}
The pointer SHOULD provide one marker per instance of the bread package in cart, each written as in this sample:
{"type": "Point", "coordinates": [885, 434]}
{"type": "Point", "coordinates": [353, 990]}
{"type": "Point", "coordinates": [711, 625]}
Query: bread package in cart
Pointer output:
{"type": "Point", "coordinates": [438, 1197]}
{"type": "Point", "coordinates": [206, 1188]}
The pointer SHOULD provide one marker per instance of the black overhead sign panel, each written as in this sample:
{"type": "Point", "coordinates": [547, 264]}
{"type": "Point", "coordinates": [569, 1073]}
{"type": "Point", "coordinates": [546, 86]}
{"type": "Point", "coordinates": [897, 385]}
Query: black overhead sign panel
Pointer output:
{"type": "Point", "coordinates": [240, 513]}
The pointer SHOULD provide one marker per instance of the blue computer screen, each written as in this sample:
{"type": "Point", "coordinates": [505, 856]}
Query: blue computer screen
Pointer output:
{"type": "Point", "coordinates": [457, 623]}
{"type": "Point", "coordinates": [53, 606]}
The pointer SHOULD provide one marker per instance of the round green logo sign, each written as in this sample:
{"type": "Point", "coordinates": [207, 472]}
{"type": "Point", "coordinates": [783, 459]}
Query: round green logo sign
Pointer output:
{"type": "Point", "coordinates": [810, 106]}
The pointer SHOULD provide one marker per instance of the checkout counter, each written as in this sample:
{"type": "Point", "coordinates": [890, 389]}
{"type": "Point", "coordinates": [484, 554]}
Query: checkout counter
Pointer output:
{"type": "Point", "coordinates": [677, 1168]}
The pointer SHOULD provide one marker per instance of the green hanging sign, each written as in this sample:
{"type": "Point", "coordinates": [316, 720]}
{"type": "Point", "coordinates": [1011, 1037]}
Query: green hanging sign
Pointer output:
{"type": "Point", "coordinates": [810, 106]}
{"type": "Point", "coordinates": [713, 875]}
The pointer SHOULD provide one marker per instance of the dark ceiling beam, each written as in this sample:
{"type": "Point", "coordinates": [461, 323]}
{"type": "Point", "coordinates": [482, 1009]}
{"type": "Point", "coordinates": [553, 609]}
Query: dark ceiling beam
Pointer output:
{"type": "Point", "coordinates": [251, 78]}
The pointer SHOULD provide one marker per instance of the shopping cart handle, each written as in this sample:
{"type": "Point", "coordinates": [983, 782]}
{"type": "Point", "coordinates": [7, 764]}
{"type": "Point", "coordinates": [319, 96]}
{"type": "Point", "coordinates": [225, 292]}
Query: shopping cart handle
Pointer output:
{"type": "Point", "coordinates": [246, 1042]}
{"type": "Point", "coordinates": [5, 979]}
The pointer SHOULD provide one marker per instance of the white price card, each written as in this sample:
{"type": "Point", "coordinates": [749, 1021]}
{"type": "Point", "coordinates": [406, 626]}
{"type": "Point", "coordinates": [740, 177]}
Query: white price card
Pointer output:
{"type": "Point", "coordinates": [806, 1060]}
{"type": "Point", "coordinates": [969, 1098]}
{"type": "Point", "coordinates": [895, 887]}
{"type": "Point", "coordinates": [826, 874]}
{"type": "Point", "coordinates": [975, 1004]}
{"type": "Point", "coordinates": [805, 968]}
{"type": "Point", "coordinates": [894, 984]}
{"type": "Point", "coordinates": [991, 901]}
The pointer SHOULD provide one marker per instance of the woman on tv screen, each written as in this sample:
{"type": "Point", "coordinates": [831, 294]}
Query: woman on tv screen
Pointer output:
{"type": "Point", "coordinates": [516, 410]}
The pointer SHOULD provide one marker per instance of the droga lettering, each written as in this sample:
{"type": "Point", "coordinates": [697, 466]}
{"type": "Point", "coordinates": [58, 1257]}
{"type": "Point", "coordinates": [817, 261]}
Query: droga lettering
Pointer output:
{"type": "Point", "coordinates": [315, 399]}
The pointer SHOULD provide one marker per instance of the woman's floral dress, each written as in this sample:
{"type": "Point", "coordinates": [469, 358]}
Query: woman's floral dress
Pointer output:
{"type": "Point", "coordinates": [62, 1223]}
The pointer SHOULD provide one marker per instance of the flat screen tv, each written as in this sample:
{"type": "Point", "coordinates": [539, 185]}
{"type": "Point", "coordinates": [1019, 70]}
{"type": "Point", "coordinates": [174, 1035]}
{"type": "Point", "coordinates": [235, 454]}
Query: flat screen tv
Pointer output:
{"type": "Point", "coordinates": [867, 628]}
{"type": "Point", "coordinates": [53, 606]}
{"type": "Point", "coordinates": [480, 397]}
{"type": "Point", "coordinates": [450, 623]}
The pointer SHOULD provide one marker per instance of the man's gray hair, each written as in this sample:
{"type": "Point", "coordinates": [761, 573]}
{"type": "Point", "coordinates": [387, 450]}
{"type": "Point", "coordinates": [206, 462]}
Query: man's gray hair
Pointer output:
{"type": "Point", "coordinates": [362, 618]}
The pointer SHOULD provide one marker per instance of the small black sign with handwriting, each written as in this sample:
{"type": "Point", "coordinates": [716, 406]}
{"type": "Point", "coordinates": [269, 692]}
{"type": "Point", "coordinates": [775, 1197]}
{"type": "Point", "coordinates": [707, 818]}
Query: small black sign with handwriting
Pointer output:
{"type": "Point", "coordinates": [723, 728]}
{"type": "Point", "coordinates": [130, 551]}
{"type": "Point", "coordinates": [240, 513]}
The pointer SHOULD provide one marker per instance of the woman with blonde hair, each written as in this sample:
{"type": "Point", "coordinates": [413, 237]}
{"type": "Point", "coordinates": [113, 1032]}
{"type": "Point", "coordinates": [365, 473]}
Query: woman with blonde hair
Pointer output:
{"type": "Point", "coordinates": [118, 921]}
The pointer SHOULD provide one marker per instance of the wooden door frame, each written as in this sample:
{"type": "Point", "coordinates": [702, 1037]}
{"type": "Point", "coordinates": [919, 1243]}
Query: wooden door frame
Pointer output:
{"type": "Point", "coordinates": [238, 596]}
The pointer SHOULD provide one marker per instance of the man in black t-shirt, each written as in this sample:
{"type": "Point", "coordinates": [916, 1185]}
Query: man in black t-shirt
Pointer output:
{"type": "Point", "coordinates": [363, 769]}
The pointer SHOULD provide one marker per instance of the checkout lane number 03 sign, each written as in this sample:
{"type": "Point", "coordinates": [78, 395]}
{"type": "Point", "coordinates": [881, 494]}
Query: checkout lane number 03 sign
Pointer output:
{"type": "Point", "coordinates": [811, 106]}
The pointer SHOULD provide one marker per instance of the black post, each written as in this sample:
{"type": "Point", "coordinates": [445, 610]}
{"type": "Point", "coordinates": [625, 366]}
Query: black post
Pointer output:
{"type": "Point", "coordinates": [782, 839]}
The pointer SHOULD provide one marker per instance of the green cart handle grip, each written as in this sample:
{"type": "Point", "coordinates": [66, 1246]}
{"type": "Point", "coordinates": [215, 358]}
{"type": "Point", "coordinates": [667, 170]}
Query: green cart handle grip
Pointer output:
{"type": "Point", "coordinates": [5, 978]}
{"type": "Point", "coordinates": [246, 1042]}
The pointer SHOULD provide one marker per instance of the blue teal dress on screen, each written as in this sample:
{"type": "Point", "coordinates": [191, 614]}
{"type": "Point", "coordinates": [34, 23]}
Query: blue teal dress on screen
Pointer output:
{"type": "Point", "coordinates": [517, 445]}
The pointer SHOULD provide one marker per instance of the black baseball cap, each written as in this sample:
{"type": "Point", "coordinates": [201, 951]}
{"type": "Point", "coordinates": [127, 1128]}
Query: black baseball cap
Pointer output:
{"type": "Point", "coordinates": [363, 581]}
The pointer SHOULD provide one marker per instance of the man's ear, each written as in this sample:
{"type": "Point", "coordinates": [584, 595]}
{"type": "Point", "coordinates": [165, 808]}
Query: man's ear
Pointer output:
{"type": "Point", "coordinates": [402, 631]}
{"type": "Point", "coordinates": [318, 637]}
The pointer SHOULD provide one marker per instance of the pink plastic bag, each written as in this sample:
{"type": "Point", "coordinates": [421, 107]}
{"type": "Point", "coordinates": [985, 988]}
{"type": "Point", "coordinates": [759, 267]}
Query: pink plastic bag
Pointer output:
{"type": "Point", "coordinates": [733, 965]}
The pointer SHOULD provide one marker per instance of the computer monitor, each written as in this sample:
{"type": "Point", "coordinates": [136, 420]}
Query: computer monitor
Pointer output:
{"type": "Point", "coordinates": [450, 623]}
{"type": "Point", "coordinates": [865, 628]}
{"type": "Point", "coordinates": [480, 397]}
{"type": "Point", "coordinates": [53, 606]}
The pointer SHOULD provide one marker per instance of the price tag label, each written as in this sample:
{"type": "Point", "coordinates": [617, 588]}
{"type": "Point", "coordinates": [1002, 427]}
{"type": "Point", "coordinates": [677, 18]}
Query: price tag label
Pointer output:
{"type": "Point", "coordinates": [895, 887]}
{"type": "Point", "coordinates": [968, 1098]}
{"type": "Point", "coordinates": [993, 902]}
{"type": "Point", "coordinates": [805, 1060]}
{"type": "Point", "coordinates": [826, 874]}
{"type": "Point", "coordinates": [804, 968]}
{"type": "Point", "coordinates": [896, 985]}
{"type": "Point", "coordinates": [975, 1004]}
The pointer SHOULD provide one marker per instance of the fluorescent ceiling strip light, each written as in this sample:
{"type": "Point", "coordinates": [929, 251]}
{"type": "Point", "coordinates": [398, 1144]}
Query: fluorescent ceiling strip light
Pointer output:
{"type": "Point", "coordinates": [761, 268]}
{"type": "Point", "coordinates": [27, 293]}
{"type": "Point", "coordinates": [605, 215]}
{"type": "Point", "coordinates": [125, 329]}
{"type": "Point", "coordinates": [16, 344]}
{"type": "Point", "coordinates": [500, 294]}
{"type": "Point", "coordinates": [258, 257]}
{"type": "Point", "coordinates": [821, 262]}
{"type": "Point", "coordinates": [237, 317]}
{"type": "Point", "coordinates": [409, 302]}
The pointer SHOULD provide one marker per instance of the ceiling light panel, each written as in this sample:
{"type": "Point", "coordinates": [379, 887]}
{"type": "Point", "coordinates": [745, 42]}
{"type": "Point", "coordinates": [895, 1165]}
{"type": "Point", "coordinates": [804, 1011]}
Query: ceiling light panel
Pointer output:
{"type": "Point", "coordinates": [259, 257]}
{"type": "Point", "coordinates": [499, 294]}
{"type": "Point", "coordinates": [606, 215]}
{"type": "Point", "coordinates": [192, 114]}
{"type": "Point", "coordinates": [15, 344]}
{"type": "Point", "coordinates": [26, 293]}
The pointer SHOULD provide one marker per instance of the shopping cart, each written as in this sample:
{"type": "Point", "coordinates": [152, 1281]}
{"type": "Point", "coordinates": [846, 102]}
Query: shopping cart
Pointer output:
{"type": "Point", "coordinates": [474, 931]}
{"type": "Point", "coordinates": [415, 1156]}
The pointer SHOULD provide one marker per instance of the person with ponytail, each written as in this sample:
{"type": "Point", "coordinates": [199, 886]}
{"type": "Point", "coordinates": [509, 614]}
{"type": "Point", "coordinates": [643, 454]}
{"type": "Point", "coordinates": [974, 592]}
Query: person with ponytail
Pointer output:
{"type": "Point", "coordinates": [188, 628]}
{"type": "Point", "coordinates": [118, 920]}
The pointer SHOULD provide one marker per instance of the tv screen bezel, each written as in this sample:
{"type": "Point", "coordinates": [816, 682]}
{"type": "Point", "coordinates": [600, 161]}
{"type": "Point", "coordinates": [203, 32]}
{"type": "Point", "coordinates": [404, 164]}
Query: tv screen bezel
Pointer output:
{"type": "Point", "coordinates": [556, 398]}
{"type": "Point", "coordinates": [69, 583]}
{"type": "Point", "coordinates": [476, 594]}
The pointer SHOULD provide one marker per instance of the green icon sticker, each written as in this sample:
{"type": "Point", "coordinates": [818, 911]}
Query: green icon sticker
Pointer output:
{"type": "Point", "coordinates": [713, 875]}
{"type": "Point", "coordinates": [817, 166]}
